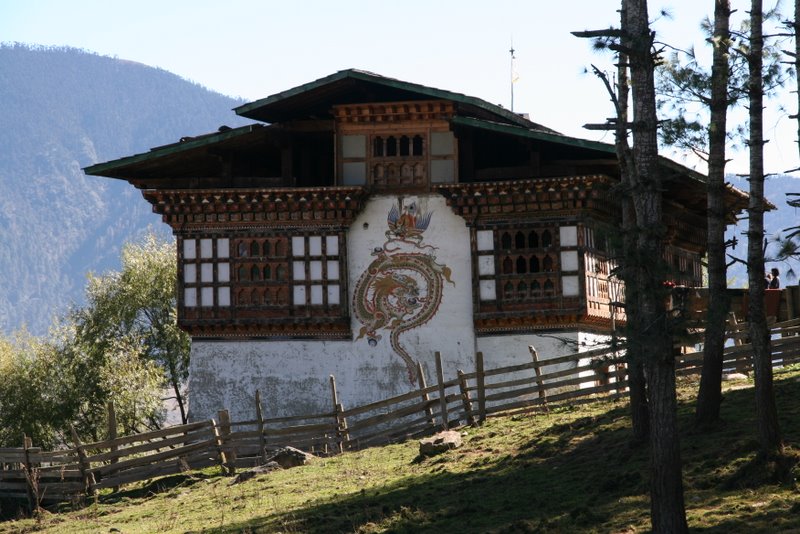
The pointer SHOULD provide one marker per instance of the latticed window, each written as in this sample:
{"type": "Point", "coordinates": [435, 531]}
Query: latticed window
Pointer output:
{"type": "Point", "coordinates": [516, 265]}
{"type": "Point", "coordinates": [205, 272]}
{"type": "Point", "coordinates": [256, 259]}
{"type": "Point", "coordinates": [316, 270]}
{"type": "Point", "coordinates": [399, 160]}
{"type": "Point", "coordinates": [250, 276]}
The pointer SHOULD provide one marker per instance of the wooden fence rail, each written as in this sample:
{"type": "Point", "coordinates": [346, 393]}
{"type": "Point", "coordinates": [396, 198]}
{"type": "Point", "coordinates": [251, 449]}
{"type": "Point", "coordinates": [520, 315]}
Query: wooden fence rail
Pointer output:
{"type": "Point", "coordinates": [38, 476]}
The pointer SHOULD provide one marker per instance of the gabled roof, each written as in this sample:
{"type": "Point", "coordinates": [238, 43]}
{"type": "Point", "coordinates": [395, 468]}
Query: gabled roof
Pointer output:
{"type": "Point", "coordinates": [315, 99]}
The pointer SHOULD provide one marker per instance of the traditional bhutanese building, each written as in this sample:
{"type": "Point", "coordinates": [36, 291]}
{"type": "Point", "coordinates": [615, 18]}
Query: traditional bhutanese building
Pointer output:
{"type": "Point", "coordinates": [365, 222]}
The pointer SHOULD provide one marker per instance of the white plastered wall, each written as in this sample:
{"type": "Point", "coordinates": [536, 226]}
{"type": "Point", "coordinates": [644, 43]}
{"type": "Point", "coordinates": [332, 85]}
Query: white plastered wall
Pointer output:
{"type": "Point", "coordinates": [293, 375]}
{"type": "Point", "coordinates": [508, 350]}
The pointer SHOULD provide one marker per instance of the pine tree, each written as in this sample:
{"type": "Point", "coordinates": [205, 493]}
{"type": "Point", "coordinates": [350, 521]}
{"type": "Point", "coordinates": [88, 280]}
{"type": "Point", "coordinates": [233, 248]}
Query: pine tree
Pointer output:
{"type": "Point", "coordinates": [709, 396]}
{"type": "Point", "coordinates": [769, 436]}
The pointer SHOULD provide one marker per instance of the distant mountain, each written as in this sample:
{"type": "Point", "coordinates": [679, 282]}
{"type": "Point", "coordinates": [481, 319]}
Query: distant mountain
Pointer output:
{"type": "Point", "coordinates": [62, 109]}
{"type": "Point", "coordinates": [775, 189]}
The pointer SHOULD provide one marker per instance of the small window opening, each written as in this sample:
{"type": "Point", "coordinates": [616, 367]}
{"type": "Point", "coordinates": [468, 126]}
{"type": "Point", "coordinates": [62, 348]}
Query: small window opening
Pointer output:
{"type": "Point", "coordinates": [405, 144]}
{"type": "Point", "coordinates": [533, 240]}
{"type": "Point", "coordinates": [508, 290]}
{"type": "Point", "coordinates": [508, 266]}
{"type": "Point", "coordinates": [519, 240]}
{"type": "Point", "coordinates": [505, 241]}
{"type": "Point", "coordinates": [522, 265]}
{"type": "Point", "coordinates": [416, 148]}
{"type": "Point", "coordinates": [547, 239]}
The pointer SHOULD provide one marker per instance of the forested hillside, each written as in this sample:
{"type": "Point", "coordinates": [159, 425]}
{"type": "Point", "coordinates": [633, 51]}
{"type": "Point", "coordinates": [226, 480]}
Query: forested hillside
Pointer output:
{"type": "Point", "coordinates": [61, 110]}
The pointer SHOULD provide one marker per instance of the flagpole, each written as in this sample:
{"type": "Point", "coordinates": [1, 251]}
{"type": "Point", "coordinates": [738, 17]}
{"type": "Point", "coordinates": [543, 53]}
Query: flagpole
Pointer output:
{"type": "Point", "coordinates": [511, 74]}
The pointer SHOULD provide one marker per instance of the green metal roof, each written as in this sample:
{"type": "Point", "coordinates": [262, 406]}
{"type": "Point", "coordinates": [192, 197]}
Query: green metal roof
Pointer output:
{"type": "Point", "coordinates": [319, 95]}
{"type": "Point", "coordinates": [109, 168]}
{"type": "Point", "coordinates": [571, 141]}
{"type": "Point", "coordinates": [533, 134]}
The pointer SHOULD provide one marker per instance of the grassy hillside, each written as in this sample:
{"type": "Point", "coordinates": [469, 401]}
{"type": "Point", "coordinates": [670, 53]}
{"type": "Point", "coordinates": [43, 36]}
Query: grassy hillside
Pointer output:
{"type": "Point", "coordinates": [571, 470]}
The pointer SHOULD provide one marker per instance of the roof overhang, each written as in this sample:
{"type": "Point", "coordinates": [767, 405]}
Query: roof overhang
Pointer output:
{"type": "Point", "coordinates": [693, 188]}
{"type": "Point", "coordinates": [159, 158]}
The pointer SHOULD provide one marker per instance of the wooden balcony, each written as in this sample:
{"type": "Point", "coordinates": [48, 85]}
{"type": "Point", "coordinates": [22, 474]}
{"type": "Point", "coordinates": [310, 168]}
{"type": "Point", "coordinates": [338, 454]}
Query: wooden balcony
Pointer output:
{"type": "Point", "coordinates": [780, 304]}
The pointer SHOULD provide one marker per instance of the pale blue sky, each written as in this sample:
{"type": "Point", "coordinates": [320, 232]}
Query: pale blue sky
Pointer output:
{"type": "Point", "coordinates": [252, 48]}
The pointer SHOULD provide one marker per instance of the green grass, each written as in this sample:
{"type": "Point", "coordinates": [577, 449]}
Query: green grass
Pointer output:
{"type": "Point", "coordinates": [572, 470]}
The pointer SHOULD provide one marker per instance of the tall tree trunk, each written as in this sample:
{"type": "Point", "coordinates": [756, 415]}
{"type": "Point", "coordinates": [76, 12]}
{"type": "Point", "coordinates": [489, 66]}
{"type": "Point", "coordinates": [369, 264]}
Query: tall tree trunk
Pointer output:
{"type": "Point", "coordinates": [666, 496]}
{"type": "Point", "coordinates": [176, 387]}
{"type": "Point", "coordinates": [709, 396]}
{"type": "Point", "coordinates": [796, 31]}
{"type": "Point", "coordinates": [634, 355]}
{"type": "Point", "coordinates": [769, 435]}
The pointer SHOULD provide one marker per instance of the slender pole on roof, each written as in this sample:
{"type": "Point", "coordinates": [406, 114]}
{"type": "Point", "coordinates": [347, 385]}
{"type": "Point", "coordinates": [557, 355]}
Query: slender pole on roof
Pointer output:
{"type": "Point", "coordinates": [514, 76]}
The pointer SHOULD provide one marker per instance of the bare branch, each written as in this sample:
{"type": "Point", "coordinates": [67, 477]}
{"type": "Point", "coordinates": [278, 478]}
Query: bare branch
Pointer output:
{"type": "Point", "coordinates": [608, 126]}
{"type": "Point", "coordinates": [591, 34]}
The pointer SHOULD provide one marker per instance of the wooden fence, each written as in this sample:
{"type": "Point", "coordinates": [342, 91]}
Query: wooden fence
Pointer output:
{"type": "Point", "coordinates": [47, 477]}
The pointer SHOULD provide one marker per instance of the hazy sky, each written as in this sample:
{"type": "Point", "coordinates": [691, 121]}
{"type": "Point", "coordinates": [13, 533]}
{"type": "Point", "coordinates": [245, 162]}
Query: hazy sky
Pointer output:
{"type": "Point", "coordinates": [253, 49]}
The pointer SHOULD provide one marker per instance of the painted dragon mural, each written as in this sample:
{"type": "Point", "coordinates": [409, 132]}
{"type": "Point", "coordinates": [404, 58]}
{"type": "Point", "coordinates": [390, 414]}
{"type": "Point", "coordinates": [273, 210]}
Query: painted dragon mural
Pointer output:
{"type": "Point", "coordinates": [402, 287]}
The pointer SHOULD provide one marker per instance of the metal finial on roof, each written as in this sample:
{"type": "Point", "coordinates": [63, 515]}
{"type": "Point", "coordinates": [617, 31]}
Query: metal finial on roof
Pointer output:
{"type": "Point", "coordinates": [514, 75]}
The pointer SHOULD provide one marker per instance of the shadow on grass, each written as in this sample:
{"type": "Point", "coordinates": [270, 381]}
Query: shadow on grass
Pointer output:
{"type": "Point", "coordinates": [535, 489]}
{"type": "Point", "coordinates": [154, 487]}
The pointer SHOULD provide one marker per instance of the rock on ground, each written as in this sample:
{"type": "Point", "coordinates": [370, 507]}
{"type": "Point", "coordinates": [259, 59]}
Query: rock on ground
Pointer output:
{"type": "Point", "coordinates": [439, 443]}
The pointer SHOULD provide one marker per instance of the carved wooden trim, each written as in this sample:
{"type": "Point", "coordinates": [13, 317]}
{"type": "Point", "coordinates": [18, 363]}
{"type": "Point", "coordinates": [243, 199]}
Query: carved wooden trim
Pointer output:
{"type": "Point", "coordinates": [253, 208]}
{"type": "Point", "coordinates": [524, 198]}
{"type": "Point", "coordinates": [390, 112]}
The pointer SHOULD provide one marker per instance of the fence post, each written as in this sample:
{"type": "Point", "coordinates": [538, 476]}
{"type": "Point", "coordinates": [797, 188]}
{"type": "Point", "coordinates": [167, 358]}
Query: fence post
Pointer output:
{"type": "Point", "coordinates": [224, 436]}
{"type": "Point", "coordinates": [480, 379]}
{"type": "Point", "coordinates": [31, 477]}
{"type": "Point", "coordinates": [425, 397]}
{"type": "Point", "coordinates": [342, 435]}
{"type": "Point", "coordinates": [621, 370]}
{"type": "Point", "coordinates": [218, 443]}
{"type": "Point", "coordinates": [733, 325]}
{"type": "Point", "coordinates": [112, 434]}
{"type": "Point", "coordinates": [262, 440]}
{"type": "Point", "coordinates": [465, 399]}
{"type": "Point", "coordinates": [539, 381]}
{"type": "Point", "coordinates": [442, 398]}
{"type": "Point", "coordinates": [83, 463]}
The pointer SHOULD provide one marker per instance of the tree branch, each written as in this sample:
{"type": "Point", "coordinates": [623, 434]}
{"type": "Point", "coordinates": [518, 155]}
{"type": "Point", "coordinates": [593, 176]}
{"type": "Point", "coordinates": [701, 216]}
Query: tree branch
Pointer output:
{"type": "Point", "coordinates": [591, 34]}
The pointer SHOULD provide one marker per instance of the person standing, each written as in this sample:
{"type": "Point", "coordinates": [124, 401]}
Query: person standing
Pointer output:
{"type": "Point", "coordinates": [774, 281]}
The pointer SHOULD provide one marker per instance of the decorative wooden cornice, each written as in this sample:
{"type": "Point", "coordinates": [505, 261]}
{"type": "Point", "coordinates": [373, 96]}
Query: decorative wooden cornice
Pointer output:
{"type": "Point", "coordinates": [250, 208]}
{"type": "Point", "coordinates": [494, 200]}
{"type": "Point", "coordinates": [545, 322]}
{"type": "Point", "coordinates": [331, 329]}
{"type": "Point", "coordinates": [379, 113]}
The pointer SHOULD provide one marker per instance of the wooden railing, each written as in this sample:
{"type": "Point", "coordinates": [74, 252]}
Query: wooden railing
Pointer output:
{"type": "Point", "coordinates": [47, 477]}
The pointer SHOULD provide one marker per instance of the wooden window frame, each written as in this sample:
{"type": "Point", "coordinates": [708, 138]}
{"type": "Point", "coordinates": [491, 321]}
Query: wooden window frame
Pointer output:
{"type": "Point", "coordinates": [519, 261]}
